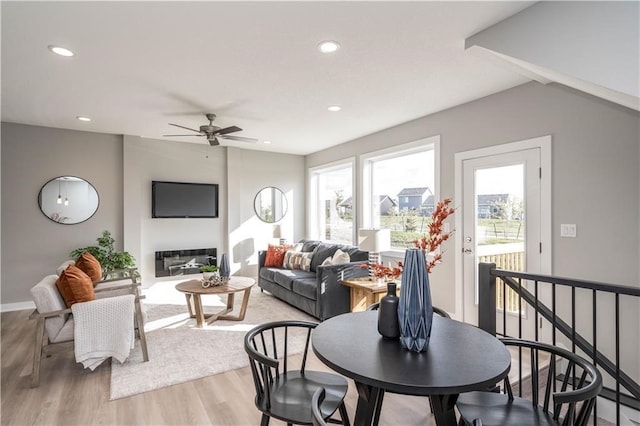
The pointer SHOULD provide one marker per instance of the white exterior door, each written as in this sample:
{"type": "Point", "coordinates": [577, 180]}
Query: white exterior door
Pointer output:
{"type": "Point", "coordinates": [501, 220]}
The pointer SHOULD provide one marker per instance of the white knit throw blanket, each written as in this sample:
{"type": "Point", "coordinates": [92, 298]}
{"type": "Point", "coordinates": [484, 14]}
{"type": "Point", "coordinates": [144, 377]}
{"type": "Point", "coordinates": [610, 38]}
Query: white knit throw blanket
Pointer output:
{"type": "Point", "coordinates": [103, 328]}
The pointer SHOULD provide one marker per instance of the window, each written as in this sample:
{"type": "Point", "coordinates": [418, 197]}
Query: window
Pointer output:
{"type": "Point", "coordinates": [400, 190]}
{"type": "Point", "coordinates": [332, 203]}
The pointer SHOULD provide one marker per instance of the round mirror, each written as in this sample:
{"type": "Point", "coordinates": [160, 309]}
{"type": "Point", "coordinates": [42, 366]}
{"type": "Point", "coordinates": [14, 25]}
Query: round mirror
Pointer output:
{"type": "Point", "coordinates": [270, 204]}
{"type": "Point", "coordinates": [68, 200]}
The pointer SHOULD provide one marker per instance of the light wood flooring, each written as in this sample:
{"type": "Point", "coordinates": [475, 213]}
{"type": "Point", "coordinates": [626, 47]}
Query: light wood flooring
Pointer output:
{"type": "Point", "coordinates": [69, 395]}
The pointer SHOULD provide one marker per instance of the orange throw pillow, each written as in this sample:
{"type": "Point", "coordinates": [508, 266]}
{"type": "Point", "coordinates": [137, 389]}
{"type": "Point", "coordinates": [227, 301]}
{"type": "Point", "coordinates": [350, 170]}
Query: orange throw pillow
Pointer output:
{"type": "Point", "coordinates": [75, 286]}
{"type": "Point", "coordinates": [275, 256]}
{"type": "Point", "coordinates": [88, 264]}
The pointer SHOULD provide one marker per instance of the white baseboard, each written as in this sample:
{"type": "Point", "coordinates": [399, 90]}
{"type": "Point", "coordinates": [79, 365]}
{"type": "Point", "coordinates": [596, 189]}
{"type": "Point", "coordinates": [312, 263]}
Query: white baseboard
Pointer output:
{"type": "Point", "coordinates": [20, 306]}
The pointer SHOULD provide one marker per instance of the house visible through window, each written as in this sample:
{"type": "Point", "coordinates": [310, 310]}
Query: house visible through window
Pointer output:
{"type": "Point", "coordinates": [333, 206]}
{"type": "Point", "coordinates": [401, 191]}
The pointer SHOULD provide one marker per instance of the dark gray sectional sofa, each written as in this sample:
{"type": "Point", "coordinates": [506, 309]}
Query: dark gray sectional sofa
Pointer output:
{"type": "Point", "coordinates": [318, 292]}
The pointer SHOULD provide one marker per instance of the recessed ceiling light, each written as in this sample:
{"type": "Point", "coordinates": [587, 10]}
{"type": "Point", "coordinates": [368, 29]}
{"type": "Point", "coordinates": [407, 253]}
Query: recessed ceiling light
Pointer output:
{"type": "Point", "coordinates": [266, 142]}
{"type": "Point", "coordinates": [334, 108]}
{"type": "Point", "coordinates": [82, 118]}
{"type": "Point", "coordinates": [60, 51]}
{"type": "Point", "coordinates": [329, 46]}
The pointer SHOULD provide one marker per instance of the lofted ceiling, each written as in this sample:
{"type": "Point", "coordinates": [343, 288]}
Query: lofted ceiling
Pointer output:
{"type": "Point", "coordinates": [141, 65]}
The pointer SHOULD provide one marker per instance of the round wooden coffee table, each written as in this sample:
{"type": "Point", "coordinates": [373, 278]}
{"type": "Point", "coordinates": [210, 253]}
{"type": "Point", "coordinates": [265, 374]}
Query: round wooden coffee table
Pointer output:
{"type": "Point", "coordinates": [193, 289]}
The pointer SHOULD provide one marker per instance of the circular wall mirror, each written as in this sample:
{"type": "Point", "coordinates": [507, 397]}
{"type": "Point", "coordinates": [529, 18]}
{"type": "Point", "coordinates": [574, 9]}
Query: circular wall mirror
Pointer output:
{"type": "Point", "coordinates": [68, 200]}
{"type": "Point", "coordinates": [270, 204]}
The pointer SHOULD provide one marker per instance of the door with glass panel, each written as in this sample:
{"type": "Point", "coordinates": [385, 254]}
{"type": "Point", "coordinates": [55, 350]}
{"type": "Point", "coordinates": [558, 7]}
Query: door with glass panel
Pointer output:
{"type": "Point", "coordinates": [502, 225]}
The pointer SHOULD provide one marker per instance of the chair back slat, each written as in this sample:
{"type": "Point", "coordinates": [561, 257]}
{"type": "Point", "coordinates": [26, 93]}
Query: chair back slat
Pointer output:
{"type": "Point", "coordinates": [534, 376]}
{"type": "Point", "coordinates": [306, 351]}
{"type": "Point", "coordinates": [550, 380]}
{"type": "Point", "coordinates": [574, 399]}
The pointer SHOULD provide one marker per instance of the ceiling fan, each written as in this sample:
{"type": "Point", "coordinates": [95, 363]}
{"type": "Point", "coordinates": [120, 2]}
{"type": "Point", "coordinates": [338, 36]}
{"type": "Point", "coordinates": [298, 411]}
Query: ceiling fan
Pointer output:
{"type": "Point", "coordinates": [214, 132]}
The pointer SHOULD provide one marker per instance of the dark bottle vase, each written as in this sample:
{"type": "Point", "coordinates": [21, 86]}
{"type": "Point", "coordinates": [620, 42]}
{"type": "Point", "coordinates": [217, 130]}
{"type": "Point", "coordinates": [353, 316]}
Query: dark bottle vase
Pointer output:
{"type": "Point", "coordinates": [224, 266]}
{"type": "Point", "coordinates": [388, 325]}
{"type": "Point", "coordinates": [415, 310]}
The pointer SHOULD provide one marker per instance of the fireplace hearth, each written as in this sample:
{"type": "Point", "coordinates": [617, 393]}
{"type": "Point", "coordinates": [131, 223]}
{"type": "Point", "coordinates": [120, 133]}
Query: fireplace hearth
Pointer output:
{"type": "Point", "coordinates": [184, 262]}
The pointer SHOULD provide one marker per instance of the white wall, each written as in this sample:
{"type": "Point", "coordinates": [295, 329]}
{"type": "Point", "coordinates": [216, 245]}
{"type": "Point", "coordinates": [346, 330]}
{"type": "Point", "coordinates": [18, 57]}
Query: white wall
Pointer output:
{"type": "Point", "coordinates": [146, 160]}
{"type": "Point", "coordinates": [249, 172]}
{"type": "Point", "coordinates": [591, 46]}
{"type": "Point", "coordinates": [240, 174]}
{"type": "Point", "coordinates": [32, 245]}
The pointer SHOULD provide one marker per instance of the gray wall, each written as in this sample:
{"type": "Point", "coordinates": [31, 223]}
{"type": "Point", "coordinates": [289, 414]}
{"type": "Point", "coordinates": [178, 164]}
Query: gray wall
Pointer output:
{"type": "Point", "coordinates": [595, 184]}
{"type": "Point", "coordinates": [121, 169]}
{"type": "Point", "coordinates": [32, 245]}
{"type": "Point", "coordinates": [595, 171]}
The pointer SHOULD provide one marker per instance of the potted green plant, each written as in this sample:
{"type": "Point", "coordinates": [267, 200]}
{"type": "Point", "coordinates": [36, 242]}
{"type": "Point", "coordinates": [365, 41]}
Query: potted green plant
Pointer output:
{"type": "Point", "coordinates": [110, 259]}
{"type": "Point", "coordinates": [208, 271]}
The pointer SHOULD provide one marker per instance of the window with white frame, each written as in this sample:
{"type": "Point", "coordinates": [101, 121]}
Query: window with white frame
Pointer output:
{"type": "Point", "coordinates": [332, 203]}
{"type": "Point", "coordinates": [399, 190]}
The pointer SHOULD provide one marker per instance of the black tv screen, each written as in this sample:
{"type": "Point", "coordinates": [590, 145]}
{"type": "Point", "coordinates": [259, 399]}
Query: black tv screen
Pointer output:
{"type": "Point", "coordinates": [184, 200]}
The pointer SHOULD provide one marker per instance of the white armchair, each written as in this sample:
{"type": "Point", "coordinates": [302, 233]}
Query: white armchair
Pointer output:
{"type": "Point", "coordinates": [55, 324]}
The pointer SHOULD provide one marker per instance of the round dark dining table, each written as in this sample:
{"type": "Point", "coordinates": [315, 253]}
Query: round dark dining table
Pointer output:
{"type": "Point", "coordinates": [460, 358]}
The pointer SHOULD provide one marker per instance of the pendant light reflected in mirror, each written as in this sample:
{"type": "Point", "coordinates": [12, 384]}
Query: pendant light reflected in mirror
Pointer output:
{"type": "Point", "coordinates": [83, 194]}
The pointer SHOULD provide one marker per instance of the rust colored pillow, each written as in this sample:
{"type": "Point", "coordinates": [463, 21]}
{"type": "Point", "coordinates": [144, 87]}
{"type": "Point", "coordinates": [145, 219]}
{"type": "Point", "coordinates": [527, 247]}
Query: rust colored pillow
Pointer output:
{"type": "Point", "coordinates": [88, 264]}
{"type": "Point", "coordinates": [75, 286]}
{"type": "Point", "coordinates": [275, 256]}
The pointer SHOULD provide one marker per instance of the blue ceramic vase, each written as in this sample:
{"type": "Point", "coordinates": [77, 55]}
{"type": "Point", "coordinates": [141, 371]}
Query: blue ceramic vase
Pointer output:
{"type": "Point", "coordinates": [415, 309]}
{"type": "Point", "coordinates": [224, 266]}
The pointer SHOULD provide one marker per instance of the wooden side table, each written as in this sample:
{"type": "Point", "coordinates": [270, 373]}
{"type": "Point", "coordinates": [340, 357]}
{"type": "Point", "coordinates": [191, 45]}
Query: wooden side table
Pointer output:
{"type": "Point", "coordinates": [366, 291]}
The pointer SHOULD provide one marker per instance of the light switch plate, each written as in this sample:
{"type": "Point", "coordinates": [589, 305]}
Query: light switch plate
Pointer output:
{"type": "Point", "coordinates": [568, 230]}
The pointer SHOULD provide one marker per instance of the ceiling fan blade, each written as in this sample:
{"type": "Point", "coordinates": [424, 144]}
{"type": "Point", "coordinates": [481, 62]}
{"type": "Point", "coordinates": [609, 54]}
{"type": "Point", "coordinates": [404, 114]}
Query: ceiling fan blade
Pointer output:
{"type": "Point", "coordinates": [239, 138]}
{"type": "Point", "coordinates": [230, 129]}
{"type": "Point", "coordinates": [182, 127]}
{"type": "Point", "coordinates": [180, 135]}
{"type": "Point", "coordinates": [214, 142]}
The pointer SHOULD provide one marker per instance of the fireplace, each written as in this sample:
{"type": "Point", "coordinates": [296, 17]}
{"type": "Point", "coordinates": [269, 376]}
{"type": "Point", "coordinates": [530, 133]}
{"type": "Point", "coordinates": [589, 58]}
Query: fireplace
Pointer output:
{"type": "Point", "coordinates": [184, 262]}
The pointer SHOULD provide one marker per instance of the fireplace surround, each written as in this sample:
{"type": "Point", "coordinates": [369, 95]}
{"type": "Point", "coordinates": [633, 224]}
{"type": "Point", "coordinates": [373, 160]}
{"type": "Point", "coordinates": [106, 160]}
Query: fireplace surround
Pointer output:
{"type": "Point", "coordinates": [184, 262]}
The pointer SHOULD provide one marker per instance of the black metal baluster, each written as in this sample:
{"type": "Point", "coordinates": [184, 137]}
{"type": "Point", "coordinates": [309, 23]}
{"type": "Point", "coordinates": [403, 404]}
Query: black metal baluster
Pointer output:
{"type": "Point", "coordinates": [617, 358]}
{"type": "Point", "coordinates": [595, 349]}
{"type": "Point", "coordinates": [535, 325]}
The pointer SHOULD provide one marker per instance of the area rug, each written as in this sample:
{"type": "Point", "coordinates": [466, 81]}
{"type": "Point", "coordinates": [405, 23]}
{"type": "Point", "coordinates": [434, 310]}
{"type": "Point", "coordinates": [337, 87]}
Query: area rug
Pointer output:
{"type": "Point", "coordinates": [180, 352]}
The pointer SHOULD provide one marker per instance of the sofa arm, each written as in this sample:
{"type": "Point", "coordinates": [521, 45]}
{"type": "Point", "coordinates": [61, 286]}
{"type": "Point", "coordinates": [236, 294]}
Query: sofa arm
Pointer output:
{"type": "Point", "coordinates": [262, 256]}
{"type": "Point", "coordinates": [333, 297]}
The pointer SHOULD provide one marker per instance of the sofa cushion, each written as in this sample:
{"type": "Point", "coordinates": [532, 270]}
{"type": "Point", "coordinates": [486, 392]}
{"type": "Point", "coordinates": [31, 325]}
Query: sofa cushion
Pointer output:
{"type": "Point", "coordinates": [306, 287]}
{"type": "Point", "coordinates": [309, 245]}
{"type": "Point", "coordinates": [286, 277]}
{"type": "Point", "coordinates": [355, 254]}
{"type": "Point", "coordinates": [75, 286]}
{"type": "Point", "coordinates": [297, 260]}
{"type": "Point", "coordinates": [321, 252]}
{"type": "Point", "coordinates": [275, 255]}
{"type": "Point", "coordinates": [88, 264]}
{"type": "Point", "coordinates": [268, 273]}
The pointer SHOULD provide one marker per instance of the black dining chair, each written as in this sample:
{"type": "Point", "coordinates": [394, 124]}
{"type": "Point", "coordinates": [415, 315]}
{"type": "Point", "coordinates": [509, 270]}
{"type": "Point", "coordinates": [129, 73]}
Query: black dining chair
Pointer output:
{"type": "Point", "coordinates": [560, 389]}
{"type": "Point", "coordinates": [375, 307]}
{"type": "Point", "coordinates": [316, 412]}
{"type": "Point", "coordinates": [283, 393]}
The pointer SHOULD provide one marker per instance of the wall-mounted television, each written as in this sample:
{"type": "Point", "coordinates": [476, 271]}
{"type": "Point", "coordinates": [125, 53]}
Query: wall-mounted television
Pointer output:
{"type": "Point", "coordinates": [184, 200]}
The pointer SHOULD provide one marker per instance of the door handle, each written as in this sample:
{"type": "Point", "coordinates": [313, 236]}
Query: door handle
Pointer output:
{"type": "Point", "coordinates": [466, 251]}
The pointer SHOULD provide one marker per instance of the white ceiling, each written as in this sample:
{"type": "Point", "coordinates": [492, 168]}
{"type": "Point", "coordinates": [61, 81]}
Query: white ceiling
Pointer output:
{"type": "Point", "coordinates": [141, 65]}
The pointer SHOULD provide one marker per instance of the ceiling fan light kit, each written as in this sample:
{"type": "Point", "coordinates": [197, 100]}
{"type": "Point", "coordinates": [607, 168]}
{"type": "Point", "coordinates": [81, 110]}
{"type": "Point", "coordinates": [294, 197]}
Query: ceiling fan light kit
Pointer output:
{"type": "Point", "coordinates": [214, 132]}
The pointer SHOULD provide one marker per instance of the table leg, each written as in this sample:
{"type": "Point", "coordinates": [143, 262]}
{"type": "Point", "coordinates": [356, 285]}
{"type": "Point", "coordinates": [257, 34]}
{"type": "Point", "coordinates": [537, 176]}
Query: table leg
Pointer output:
{"type": "Point", "coordinates": [190, 305]}
{"type": "Point", "coordinates": [197, 302]}
{"type": "Point", "coordinates": [368, 398]}
{"type": "Point", "coordinates": [443, 409]}
{"type": "Point", "coordinates": [243, 307]}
